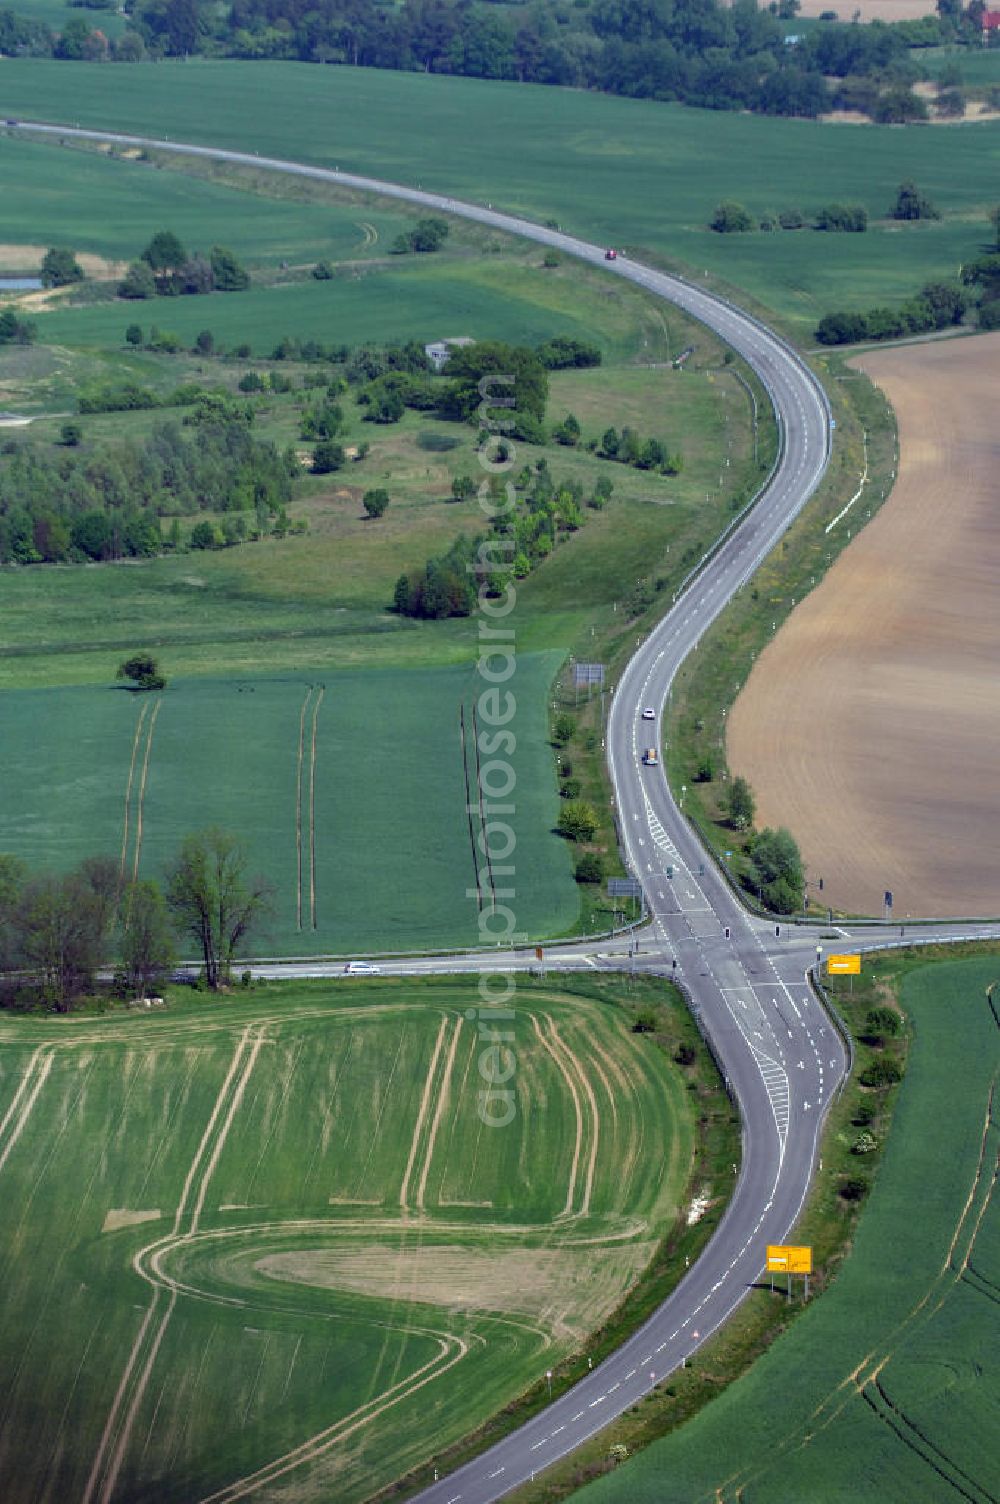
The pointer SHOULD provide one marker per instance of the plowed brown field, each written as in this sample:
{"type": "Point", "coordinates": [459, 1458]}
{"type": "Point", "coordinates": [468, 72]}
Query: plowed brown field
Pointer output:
{"type": "Point", "coordinates": [871, 725]}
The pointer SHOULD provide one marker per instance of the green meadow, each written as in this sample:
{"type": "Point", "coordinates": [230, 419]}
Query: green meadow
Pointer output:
{"type": "Point", "coordinates": [630, 172]}
{"type": "Point", "coordinates": [382, 303]}
{"type": "Point", "coordinates": [347, 788]}
{"type": "Point", "coordinates": [272, 1237]}
{"type": "Point", "coordinates": [887, 1389]}
{"type": "Point", "coordinates": [111, 207]}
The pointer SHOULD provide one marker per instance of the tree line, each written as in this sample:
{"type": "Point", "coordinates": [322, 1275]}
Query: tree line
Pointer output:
{"type": "Point", "coordinates": [700, 52]}
{"type": "Point", "coordinates": [60, 930]}
{"type": "Point", "coordinates": [520, 538]}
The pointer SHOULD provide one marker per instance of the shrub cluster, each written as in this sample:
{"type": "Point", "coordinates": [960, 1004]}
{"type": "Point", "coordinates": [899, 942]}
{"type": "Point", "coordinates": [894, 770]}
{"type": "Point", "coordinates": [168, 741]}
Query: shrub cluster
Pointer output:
{"type": "Point", "coordinates": [938, 305]}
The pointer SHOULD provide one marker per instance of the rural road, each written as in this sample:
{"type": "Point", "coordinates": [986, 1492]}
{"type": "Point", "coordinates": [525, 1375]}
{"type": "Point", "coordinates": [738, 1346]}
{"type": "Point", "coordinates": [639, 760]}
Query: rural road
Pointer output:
{"type": "Point", "coordinates": [780, 1052]}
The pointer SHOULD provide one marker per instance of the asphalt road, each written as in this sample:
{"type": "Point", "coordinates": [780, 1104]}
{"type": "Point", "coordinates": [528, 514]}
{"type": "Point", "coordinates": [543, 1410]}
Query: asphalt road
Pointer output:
{"type": "Point", "coordinates": [781, 1054]}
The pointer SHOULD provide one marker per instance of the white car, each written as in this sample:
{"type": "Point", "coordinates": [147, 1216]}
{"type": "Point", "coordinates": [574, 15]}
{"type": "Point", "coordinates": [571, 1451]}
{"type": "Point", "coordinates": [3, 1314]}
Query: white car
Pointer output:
{"type": "Point", "coordinates": [362, 969]}
{"type": "Point", "coordinates": [649, 714]}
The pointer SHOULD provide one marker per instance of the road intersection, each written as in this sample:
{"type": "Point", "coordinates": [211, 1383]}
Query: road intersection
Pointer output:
{"type": "Point", "coordinates": [748, 985]}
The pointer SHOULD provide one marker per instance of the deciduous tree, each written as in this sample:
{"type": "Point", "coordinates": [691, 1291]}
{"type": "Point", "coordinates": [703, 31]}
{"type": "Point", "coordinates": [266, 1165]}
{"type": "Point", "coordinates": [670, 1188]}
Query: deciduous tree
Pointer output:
{"type": "Point", "coordinates": [215, 900]}
{"type": "Point", "coordinates": [147, 942]}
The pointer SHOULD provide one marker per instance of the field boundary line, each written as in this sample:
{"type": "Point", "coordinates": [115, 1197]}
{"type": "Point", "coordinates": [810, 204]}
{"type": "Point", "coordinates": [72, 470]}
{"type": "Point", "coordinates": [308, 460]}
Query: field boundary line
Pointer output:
{"type": "Point", "coordinates": [31, 1086]}
{"type": "Point", "coordinates": [567, 1210]}
{"type": "Point", "coordinates": [421, 1115]}
{"type": "Point", "coordinates": [298, 804]}
{"type": "Point", "coordinates": [128, 793]}
{"type": "Point", "coordinates": [312, 807]}
{"type": "Point", "coordinates": [142, 789]}
{"type": "Point", "coordinates": [442, 1101]}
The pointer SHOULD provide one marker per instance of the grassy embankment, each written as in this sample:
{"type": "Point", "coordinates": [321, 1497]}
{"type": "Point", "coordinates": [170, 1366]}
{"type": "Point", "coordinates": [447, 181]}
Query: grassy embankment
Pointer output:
{"type": "Point", "coordinates": [352, 1244]}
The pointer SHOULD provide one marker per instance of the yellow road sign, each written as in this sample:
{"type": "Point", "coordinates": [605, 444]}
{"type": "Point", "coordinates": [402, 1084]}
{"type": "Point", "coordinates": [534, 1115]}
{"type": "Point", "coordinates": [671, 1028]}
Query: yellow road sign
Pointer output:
{"type": "Point", "coordinates": [788, 1258]}
{"type": "Point", "coordinates": [843, 966]}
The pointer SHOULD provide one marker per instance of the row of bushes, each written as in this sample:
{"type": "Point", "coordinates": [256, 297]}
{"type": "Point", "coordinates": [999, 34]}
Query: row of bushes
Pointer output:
{"type": "Point", "coordinates": [938, 305]}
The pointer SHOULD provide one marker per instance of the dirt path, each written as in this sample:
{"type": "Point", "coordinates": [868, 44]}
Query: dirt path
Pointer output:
{"type": "Point", "coordinates": [870, 725]}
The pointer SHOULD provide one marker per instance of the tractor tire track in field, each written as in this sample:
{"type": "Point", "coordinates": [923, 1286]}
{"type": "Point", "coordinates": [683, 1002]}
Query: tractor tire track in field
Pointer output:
{"type": "Point", "coordinates": [550, 1050]}
{"type": "Point", "coordinates": [573, 1061]}
{"type": "Point", "coordinates": [444, 1096]}
{"type": "Point", "coordinates": [932, 1456]}
{"type": "Point", "coordinates": [425, 1101]}
{"type": "Point", "coordinates": [298, 807]}
{"type": "Point", "coordinates": [305, 806]}
{"type": "Point", "coordinates": [14, 1119]}
{"type": "Point", "coordinates": [864, 1380]}
{"type": "Point", "coordinates": [142, 746]}
{"type": "Point", "coordinates": [312, 806]}
{"type": "Point", "coordinates": [142, 789]}
{"type": "Point", "coordinates": [469, 805]}
{"type": "Point", "coordinates": [134, 1381]}
{"type": "Point", "coordinates": [451, 1350]}
{"type": "Point", "coordinates": [483, 832]}
{"type": "Point", "coordinates": [128, 793]}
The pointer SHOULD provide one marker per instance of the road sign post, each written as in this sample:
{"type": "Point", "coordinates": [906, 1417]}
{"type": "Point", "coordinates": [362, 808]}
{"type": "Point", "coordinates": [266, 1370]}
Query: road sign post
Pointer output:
{"type": "Point", "coordinates": [789, 1258]}
{"type": "Point", "coordinates": [844, 966]}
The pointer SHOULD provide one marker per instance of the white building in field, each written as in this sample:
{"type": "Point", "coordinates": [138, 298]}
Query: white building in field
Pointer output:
{"type": "Point", "coordinates": [438, 352]}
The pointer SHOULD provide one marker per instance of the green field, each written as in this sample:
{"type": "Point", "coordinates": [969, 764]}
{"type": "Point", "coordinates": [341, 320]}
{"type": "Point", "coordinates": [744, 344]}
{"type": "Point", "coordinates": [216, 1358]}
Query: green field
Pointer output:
{"type": "Point", "coordinates": [273, 1233]}
{"type": "Point", "coordinates": [112, 207]}
{"type": "Point", "coordinates": [636, 173]}
{"type": "Point", "coordinates": [390, 302]}
{"type": "Point", "coordinates": [888, 1388]}
{"type": "Point", "coordinates": [56, 14]}
{"type": "Point", "coordinates": [347, 788]}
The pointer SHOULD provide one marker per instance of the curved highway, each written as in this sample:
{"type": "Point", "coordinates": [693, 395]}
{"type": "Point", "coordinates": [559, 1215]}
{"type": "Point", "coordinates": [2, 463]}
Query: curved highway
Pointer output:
{"type": "Point", "coordinates": [781, 1055]}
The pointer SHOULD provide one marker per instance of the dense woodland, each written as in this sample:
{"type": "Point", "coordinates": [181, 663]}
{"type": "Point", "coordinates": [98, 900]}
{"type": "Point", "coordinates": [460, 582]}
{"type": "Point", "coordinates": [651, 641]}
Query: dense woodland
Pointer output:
{"type": "Point", "coordinates": [700, 52]}
{"type": "Point", "coordinates": [107, 502]}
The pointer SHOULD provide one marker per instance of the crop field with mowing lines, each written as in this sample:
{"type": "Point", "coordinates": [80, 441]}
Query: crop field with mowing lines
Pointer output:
{"type": "Point", "coordinates": [268, 1248]}
{"type": "Point", "coordinates": [888, 1389]}
{"type": "Point", "coordinates": [349, 790]}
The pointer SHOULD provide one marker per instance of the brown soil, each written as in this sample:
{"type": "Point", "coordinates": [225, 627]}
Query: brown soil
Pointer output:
{"type": "Point", "coordinates": [567, 1291]}
{"type": "Point", "coordinates": [870, 10]}
{"type": "Point", "coordinates": [870, 725]}
{"type": "Point", "coordinates": [118, 1217]}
